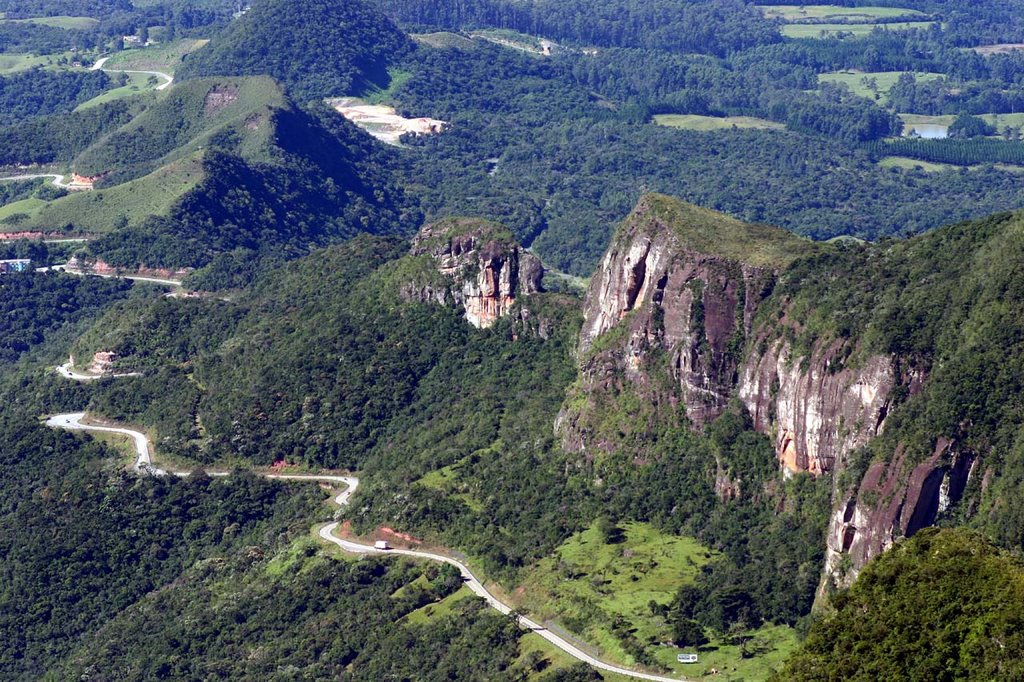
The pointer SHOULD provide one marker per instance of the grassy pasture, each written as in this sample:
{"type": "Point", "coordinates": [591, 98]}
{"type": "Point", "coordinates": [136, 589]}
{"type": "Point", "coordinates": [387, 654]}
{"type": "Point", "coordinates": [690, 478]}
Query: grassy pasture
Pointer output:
{"type": "Point", "coordinates": [905, 163]}
{"type": "Point", "coordinates": [13, 63]}
{"type": "Point", "coordinates": [885, 79]}
{"type": "Point", "coordinates": [66, 22]}
{"type": "Point", "coordinates": [857, 30]}
{"type": "Point", "coordinates": [443, 40]}
{"type": "Point", "coordinates": [165, 57]}
{"type": "Point", "coordinates": [29, 207]}
{"type": "Point", "coordinates": [1000, 121]}
{"type": "Point", "coordinates": [1000, 48]}
{"type": "Point", "coordinates": [710, 123]}
{"type": "Point", "coordinates": [98, 211]}
{"type": "Point", "coordinates": [586, 583]}
{"type": "Point", "coordinates": [868, 15]}
{"type": "Point", "coordinates": [138, 84]}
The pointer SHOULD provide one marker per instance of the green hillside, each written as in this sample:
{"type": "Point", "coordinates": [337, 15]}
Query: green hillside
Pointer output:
{"type": "Point", "coordinates": [184, 121]}
{"type": "Point", "coordinates": [945, 605]}
{"type": "Point", "coordinates": [302, 180]}
{"type": "Point", "coordinates": [122, 205]}
{"type": "Point", "coordinates": [333, 48]}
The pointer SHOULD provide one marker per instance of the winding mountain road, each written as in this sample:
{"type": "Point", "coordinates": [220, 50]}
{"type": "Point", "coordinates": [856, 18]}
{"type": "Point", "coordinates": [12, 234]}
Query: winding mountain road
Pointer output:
{"type": "Point", "coordinates": [168, 78]}
{"type": "Point", "coordinates": [57, 179]}
{"type": "Point", "coordinates": [67, 372]}
{"type": "Point", "coordinates": [144, 464]}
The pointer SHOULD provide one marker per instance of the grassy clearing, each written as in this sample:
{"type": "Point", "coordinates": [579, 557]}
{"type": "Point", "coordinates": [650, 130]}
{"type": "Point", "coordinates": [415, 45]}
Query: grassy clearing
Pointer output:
{"type": "Point", "coordinates": [1001, 121]}
{"type": "Point", "coordinates": [767, 648]}
{"type": "Point", "coordinates": [710, 123]}
{"type": "Point", "coordinates": [426, 614]}
{"type": "Point", "coordinates": [99, 211]}
{"type": "Point", "coordinates": [921, 119]}
{"type": "Point", "coordinates": [446, 480]}
{"type": "Point", "coordinates": [293, 557]}
{"type": "Point", "coordinates": [795, 13]}
{"type": "Point", "coordinates": [552, 659]}
{"type": "Point", "coordinates": [913, 164]}
{"type": "Point", "coordinates": [999, 48]}
{"type": "Point", "coordinates": [165, 58]}
{"type": "Point", "coordinates": [397, 78]}
{"type": "Point", "coordinates": [13, 63]}
{"type": "Point", "coordinates": [855, 80]}
{"type": "Point", "coordinates": [443, 40]}
{"type": "Point", "coordinates": [907, 163]}
{"type": "Point", "coordinates": [26, 207]}
{"type": "Point", "coordinates": [138, 84]}
{"type": "Point", "coordinates": [587, 584]}
{"type": "Point", "coordinates": [123, 445]}
{"type": "Point", "coordinates": [66, 22]}
{"type": "Point", "coordinates": [512, 39]}
{"type": "Point", "coordinates": [831, 30]}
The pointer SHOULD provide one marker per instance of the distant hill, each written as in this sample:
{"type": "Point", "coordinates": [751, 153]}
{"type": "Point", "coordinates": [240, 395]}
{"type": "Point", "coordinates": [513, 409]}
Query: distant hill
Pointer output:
{"type": "Point", "coordinates": [306, 179]}
{"type": "Point", "coordinates": [223, 165]}
{"type": "Point", "coordinates": [316, 49]}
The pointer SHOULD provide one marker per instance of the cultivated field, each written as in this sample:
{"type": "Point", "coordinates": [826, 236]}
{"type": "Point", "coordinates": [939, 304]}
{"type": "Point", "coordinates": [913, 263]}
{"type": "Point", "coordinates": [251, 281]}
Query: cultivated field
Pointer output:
{"type": "Point", "coordinates": [710, 123]}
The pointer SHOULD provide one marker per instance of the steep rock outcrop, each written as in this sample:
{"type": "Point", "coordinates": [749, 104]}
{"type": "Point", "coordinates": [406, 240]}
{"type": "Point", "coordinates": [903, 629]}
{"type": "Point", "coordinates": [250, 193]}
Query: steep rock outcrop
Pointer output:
{"type": "Point", "coordinates": [676, 322]}
{"type": "Point", "coordinates": [817, 414]}
{"type": "Point", "coordinates": [893, 500]}
{"type": "Point", "coordinates": [485, 269]}
{"type": "Point", "coordinates": [674, 288]}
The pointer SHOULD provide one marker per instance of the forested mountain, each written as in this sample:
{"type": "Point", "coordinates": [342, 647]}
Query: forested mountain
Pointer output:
{"type": "Point", "coordinates": [314, 179]}
{"type": "Point", "coordinates": [315, 367]}
{"type": "Point", "coordinates": [334, 47]}
{"type": "Point", "coordinates": [193, 116]}
{"type": "Point", "coordinates": [549, 328]}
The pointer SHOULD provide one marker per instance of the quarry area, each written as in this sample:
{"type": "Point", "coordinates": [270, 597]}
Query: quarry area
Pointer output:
{"type": "Point", "coordinates": [382, 121]}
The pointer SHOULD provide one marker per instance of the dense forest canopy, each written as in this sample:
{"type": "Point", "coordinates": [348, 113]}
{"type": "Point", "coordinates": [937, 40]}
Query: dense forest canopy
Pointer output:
{"type": "Point", "coordinates": [944, 605]}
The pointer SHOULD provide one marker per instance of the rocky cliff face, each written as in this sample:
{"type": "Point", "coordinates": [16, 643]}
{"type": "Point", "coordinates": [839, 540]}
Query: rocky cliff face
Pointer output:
{"type": "Point", "coordinates": [666, 298]}
{"type": "Point", "coordinates": [677, 297]}
{"type": "Point", "coordinates": [818, 415]}
{"type": "Point", "coordinates": [485, 269]}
